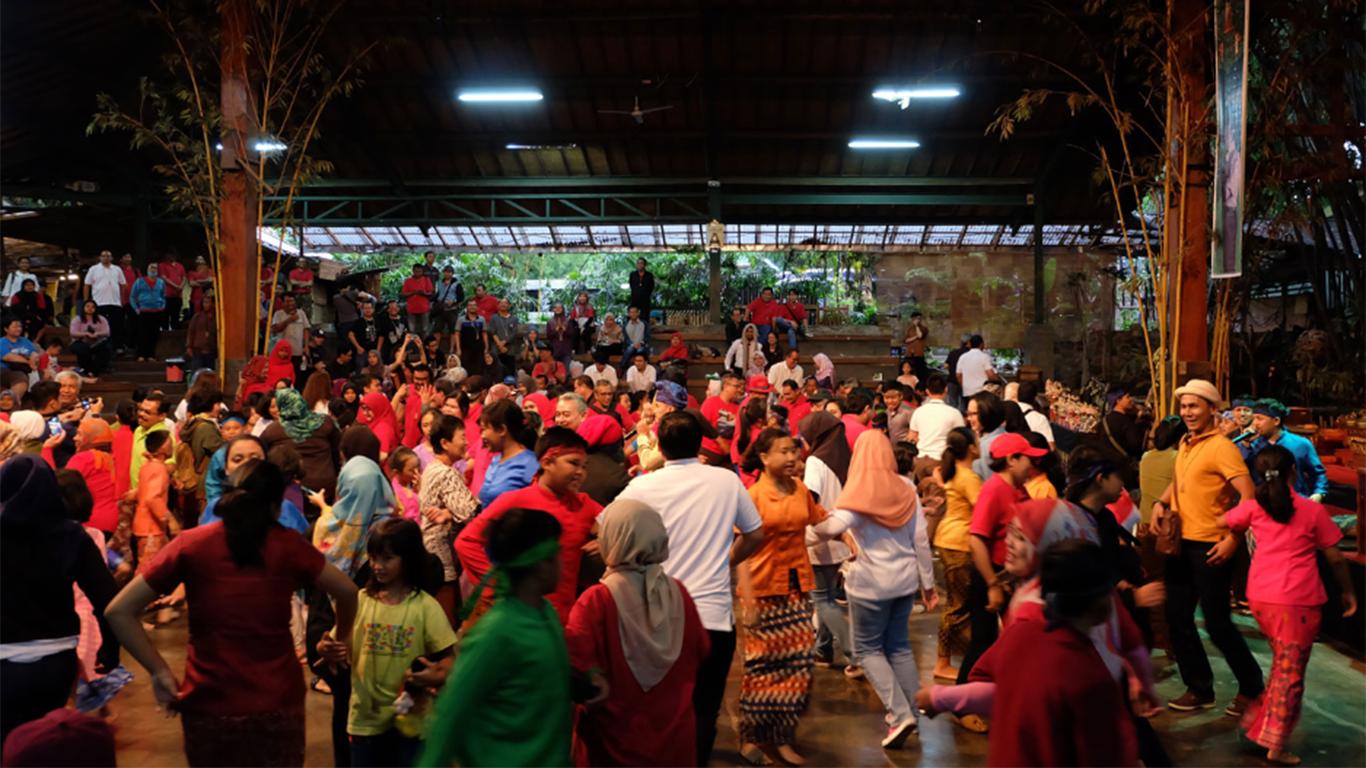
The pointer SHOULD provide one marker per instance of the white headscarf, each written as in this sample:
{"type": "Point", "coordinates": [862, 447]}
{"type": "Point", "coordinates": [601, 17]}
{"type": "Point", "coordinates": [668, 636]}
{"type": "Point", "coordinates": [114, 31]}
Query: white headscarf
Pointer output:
{"type": "Point", "coordinates": [649, 603]}
{"type": "Point", "coordinates": [29, 424]}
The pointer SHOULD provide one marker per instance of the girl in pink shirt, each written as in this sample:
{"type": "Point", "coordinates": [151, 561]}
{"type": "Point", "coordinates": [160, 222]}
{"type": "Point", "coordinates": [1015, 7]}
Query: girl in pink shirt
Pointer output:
{"type": "Point", "coordinates": [1284, 591]}
{"type": "Point", "coordinates": [405, 473]}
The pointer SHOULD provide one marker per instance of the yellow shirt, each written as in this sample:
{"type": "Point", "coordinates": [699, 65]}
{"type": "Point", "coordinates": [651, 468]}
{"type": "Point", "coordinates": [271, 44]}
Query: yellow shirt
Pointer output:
{"type": "Point", "coordinates": [1038, 487]}
{"type": "Point", "coordinates": [960, 496]}
{"type": "Point", "coordinates": [1204, 466]}
{"type": "Point", "coordinates": [1154, 475]}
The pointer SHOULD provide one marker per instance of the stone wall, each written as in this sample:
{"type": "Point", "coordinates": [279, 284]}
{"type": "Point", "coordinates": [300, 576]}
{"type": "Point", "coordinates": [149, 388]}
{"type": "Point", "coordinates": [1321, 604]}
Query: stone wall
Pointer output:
{"type": "Point", "coordinates": [991, 292]}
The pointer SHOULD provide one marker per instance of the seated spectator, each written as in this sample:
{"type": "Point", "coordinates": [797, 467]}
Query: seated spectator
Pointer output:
{"type": "Point", "coordinates": [553, 370]}
{"type": "Point", "coordinates": [735, 326]}
{"type": "Point", "coordinates": [796, 313]}
{"type": "Point", "coordinates": [600, 370]}
{"type": "Point", "coordinates": [90, 339]}
{"type": "Point", "coordinates": [582, 315]}
{"type": "Point", "coordinates": [33, 308]}
{"type": "Point", "coordinates": [611, 337]}
{"type": "Point", "coordinates": [677, 350]}
{"type": "Point", "coordinates": [636, 340]}
{"type": "Point", "coordinates": [18, 357]}
{"type": "Point", "coordinates": [641, 376]}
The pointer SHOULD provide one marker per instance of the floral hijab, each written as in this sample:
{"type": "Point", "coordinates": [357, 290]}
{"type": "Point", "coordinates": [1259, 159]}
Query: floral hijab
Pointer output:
{"type": "Point", "coordinates": [298, 420]}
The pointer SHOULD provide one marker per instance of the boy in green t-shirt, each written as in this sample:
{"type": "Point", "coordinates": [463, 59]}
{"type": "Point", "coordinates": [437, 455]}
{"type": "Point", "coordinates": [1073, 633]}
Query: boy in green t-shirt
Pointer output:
{"type": "Point", "coordinates": [507, 701]}
{"type": "Point", "coordinates": [397, 624]}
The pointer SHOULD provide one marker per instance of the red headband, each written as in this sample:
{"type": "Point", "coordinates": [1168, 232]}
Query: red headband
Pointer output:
{"type": "Point", "coordinates": [557, 451]}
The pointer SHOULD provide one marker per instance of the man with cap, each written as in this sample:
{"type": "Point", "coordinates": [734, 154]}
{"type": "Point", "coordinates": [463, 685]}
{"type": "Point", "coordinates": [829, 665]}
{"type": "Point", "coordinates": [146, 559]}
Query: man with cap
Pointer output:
{"type": "Point", "coordinates": [1311, 481]}
{"type": "Point", "coordinates": [1010, 465]}
{"type": "Point", "coordinates": [1210, 476]}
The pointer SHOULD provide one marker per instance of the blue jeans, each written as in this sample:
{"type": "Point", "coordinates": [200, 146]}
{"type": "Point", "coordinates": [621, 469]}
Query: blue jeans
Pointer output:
{"type": "Point", "coordinates": [631, 350]}
{"type": "Point", "coordinates": [882, 646]}
{"type": "Point", "coordinates": [781, 325]}
{"type": "Point", "coordinates": [833, 629]}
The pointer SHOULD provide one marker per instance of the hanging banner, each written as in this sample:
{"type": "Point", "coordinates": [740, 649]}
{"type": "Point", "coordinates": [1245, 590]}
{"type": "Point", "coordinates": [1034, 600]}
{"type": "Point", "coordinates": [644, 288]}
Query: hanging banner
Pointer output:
{"type": "Point", "coordinates": [1230, 101]}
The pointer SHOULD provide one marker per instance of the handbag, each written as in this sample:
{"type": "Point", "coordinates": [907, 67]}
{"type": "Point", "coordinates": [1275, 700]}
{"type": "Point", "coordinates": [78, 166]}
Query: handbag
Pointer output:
{"type": "Point", "coordinates": [1167, 532]}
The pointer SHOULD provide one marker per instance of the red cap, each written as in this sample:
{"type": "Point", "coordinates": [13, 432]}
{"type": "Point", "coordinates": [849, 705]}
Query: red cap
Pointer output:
{"type": "Point", "coordinates": [1011, 443]}
{"type": "Point", "coordinates": [759, 385]}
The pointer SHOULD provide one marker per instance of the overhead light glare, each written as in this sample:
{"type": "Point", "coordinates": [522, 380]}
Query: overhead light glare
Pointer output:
{"type": "Point", "coordinates": [883, 144]}
{"type": "Point", "coordinates": [266, 146]}
{"type": "Point", "coordinates": [500, 96]}
{"type": "Point", "coordinates": [904, 96]}
{"type": "Point", "coordinates": [541, 146]}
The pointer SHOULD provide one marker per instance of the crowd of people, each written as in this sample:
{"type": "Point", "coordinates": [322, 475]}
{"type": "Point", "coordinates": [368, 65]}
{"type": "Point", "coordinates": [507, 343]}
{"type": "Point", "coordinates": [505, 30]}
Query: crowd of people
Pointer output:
{"type": "Point", "coordinates": [500, 545]}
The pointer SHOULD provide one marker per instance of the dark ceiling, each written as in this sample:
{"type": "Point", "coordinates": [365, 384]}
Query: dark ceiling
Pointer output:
{"type": "Point", "coordinates": [760, 91]}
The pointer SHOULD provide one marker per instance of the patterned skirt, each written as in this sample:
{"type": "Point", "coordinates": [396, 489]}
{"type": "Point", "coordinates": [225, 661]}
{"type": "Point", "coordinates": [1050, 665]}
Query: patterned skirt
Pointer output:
{"type": "Point", "coordinates": [1290, 630]}
{"type": "Point", "coordinates": [955, 622]}
{"type": "Point", "coordinates": [779, 653]}
{"type": "Point", "coordinates": [264, 739]}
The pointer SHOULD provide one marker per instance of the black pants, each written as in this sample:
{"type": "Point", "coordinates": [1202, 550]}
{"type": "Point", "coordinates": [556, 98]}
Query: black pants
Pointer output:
{"type": "Point", "coordinates": [388, 748]}
{"type": "Point", "coordinates": [94, 359]}
{"type": "Point", "coordinates": [985, 627]}
{"type": "Point", "coordinates": [149, 330]}
{"type": "Point", "coordinates": [919, 368]}
{"type": "Point", "coordinates": [711, 689]}
{"type": "Point", "coordinates": [1191, 581]}
{"type": "Point", "coordinates": [29, 691]}
{"type": "Point", "coordinates": [172, 319]}
{"type": "Point", "coordinates": [114, 315]}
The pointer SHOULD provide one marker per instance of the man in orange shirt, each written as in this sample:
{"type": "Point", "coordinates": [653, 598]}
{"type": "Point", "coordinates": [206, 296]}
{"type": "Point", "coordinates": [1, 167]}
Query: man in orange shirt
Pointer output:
{"type": "Point", "coordinates": [1209, 477]}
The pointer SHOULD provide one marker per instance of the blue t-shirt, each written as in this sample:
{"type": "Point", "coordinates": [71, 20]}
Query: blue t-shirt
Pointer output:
{"type": "Point", "coordinates": [515, 474]}
{"type": "Point", "coordinates": [23, 346]}
{"type": "Point", "coordinates": [290, 516]}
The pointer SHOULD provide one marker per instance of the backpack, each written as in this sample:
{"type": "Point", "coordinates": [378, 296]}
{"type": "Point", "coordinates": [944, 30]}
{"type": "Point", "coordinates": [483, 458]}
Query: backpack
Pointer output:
{"type": "Point", "coordinates": [188, 476]}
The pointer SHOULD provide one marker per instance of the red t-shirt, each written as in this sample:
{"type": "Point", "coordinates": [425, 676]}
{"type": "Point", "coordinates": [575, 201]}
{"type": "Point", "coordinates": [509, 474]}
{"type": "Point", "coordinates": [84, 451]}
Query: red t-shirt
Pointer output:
{"type": "Point", "coordinates": [553, 372]}
{"type": "Point", "coordinates": [129, 275]}
{"type": "Point", "coordinates": [852, 428]}
{"type": "Point", "coordinates": [240, 655]}
{"type": "Point", "coordinates": [795, 310]}
{"type": "Point", "coordinates": [994, 511]}
{"type": "Point", "coordinates": [797, 411]}
{"type": "Point", "coordinates": [300, 275]}
{"type": "Point", "coordinates": [172, 273]}
{"type": "Point", "coordinates": [713, 408]}
{"type": "Point", "coordinates": [762, 312]}
{"type": "Point", "coordinates": [576, 515]}
{"type": "Point", "coordinates": [488, 306]}
{"type": "Point", "coordinates": [1061, 708]}
{"type": "Point", "coordinates": [635, 727]}
{"type": "Point", "coordinates": [416, 289]}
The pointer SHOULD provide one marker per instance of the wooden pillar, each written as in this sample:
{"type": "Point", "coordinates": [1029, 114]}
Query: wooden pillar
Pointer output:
{"type": "Point", "coordinates": [714, 312]}
{"type": "Point", "coordinates": [1190, 47]}
{"type": "Point", "coordinates": [237, 214]}
{"type": "Point", "coordinates": [1038, 259]}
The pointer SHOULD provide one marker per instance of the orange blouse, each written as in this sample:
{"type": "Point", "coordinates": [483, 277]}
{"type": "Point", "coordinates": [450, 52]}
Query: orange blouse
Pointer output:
{"type": "Point", "coordinates": [784, 549]}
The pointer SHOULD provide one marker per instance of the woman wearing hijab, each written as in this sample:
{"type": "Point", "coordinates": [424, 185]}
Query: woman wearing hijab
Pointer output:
{"type": "Point", "coordinates": [314, 435]}
{"type": "Point", "coordinates": [9, 442]}
{"type": "Point", "coordinates": [677, 350]}
{"type": "Point", "coordinates": [1038, 526]}
{"type": "Point", "coordinates": [606, 463]}
{"type": "Point", "coordinates": [364, 497]}
{"type": "Point", "coordinates": [377, 413]}
{"type": "Point", "coordinates": [280, 366]}
{"type": "Point", "coordinates": [94, 441]}
{"type": "Point", "coordinates": [253, 379]}
{"type": "Point", "coordinates": [740, 356]}
{"type": "Point", "coordinates": [641, 629]}
{"type": "Point", "coordinates": [879, 507]}
{"type": "Point", "coordinates": [147, 298]}
{"type": "Point", "coordinates": [33, 308]}
{"type": "Point", "coordinates": [42, 554]}
{"type": "Point", "coordinates": [30, 427]}
{"type": "Point", "coordinates": [825, 371]}
{"type": "Point", "coordinates": [827, 467]}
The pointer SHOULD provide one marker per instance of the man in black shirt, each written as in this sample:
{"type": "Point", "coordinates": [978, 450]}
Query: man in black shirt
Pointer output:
{"type": "Point", "coordinates": [364, 334]}
{"type": "Point", "coordinates": [642, 292]}
{"type": "Point", "coordinates": [955, 389]}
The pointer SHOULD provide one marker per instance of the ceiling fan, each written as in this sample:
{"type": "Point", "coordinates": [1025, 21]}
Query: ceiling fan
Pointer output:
{"type": "Point", "coordinates": [635, 113]}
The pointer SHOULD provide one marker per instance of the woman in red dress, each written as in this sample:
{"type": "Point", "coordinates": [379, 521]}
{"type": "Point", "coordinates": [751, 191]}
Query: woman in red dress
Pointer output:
{"type": "Point", "coordinates": [640, 627]}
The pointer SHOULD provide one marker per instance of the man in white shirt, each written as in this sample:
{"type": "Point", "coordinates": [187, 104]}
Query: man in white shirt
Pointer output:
{"type": "Point", "coordinates": [640, 377]}
{"type": "Point", "coordinates": [934, 419]}
{"type": "Point", "coordinates": [104, 285]}
{"type": "Point", "coordinates": [1027, 395]}
{"type": "Point", "coordinates": [291, 324]}
{"type": "Point", "coordinates": [635, 334]}
{"type": "Point", "coordinates": [14, 281]}
{"type": "Point", "coordinates": [975, 369]}
{"type": "Point", "coordinates": [702, 508]}
{"type": "Point", "coordinates": [785, 370]}
{"type": "Point", "coordinates": [600, 370]}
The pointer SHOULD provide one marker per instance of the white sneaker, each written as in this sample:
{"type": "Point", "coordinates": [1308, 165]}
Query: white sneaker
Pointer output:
{"type": "Point", "coordinates": [897, 734]}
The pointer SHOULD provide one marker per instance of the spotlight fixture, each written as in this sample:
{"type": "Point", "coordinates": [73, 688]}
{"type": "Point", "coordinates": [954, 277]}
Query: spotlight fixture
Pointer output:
{"type": "Point", "coordinates": [533, 147]}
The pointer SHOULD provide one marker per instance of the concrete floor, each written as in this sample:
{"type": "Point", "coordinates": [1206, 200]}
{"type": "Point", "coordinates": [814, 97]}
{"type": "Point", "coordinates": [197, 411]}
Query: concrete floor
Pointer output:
{"type": "Point", "coordinates": [844, 724]}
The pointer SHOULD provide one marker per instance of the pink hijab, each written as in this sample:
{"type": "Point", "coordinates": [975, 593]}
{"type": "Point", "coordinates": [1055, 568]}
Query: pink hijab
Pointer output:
{"type": "Point", "coordinates": [874, 487]}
